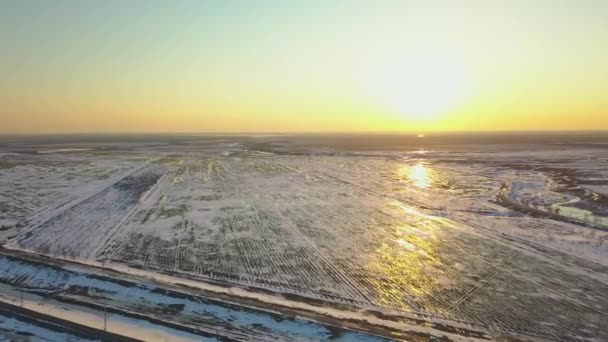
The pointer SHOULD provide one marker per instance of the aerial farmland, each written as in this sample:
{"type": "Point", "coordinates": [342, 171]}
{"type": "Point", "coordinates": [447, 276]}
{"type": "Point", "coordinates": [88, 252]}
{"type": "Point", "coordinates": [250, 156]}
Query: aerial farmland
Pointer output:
{"type": "Point", "coordinates": [390, 238]}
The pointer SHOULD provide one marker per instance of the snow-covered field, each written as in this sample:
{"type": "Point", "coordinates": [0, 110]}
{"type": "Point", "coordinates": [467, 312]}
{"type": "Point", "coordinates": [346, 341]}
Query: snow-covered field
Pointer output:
{"type": "Point", "coordinates": [477, 237]}
{"type": "Point", "coordinates": [61, 287]}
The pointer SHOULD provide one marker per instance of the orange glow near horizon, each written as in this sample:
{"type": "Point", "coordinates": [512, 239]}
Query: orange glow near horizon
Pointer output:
{"type": "Point", "coordinates": [243, 67]}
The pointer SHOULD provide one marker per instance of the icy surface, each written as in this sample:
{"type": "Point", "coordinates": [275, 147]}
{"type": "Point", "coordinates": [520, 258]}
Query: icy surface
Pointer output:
{"type": "Point", "coordinates": [12, 329]}
{"type": "Point", "coordinates": [217, 317]}
{"type": "Point", "coordinates": [482, 235]}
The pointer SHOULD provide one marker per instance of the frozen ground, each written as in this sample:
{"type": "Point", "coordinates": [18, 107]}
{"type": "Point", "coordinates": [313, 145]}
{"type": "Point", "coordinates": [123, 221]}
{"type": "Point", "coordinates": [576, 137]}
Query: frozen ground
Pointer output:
{"type": "Point", "coordinates": [60, 287]}
{"type": "Point", "coordinates": [511, 238]}
{"type": "Point", "coordinates": [14, 329]}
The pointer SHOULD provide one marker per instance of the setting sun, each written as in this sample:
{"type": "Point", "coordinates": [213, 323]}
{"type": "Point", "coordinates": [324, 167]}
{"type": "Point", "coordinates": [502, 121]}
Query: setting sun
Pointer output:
{"type": "Point", "coordinates": [421, 87]}
{"type": "Point", "coordinates": [274, 66]}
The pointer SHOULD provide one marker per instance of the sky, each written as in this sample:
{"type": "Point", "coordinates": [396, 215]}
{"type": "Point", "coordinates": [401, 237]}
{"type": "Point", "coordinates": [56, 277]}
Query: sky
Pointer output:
{"type": "Point", "coordinates": [302, 66]}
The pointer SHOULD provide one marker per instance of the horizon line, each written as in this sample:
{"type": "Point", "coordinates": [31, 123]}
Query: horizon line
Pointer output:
{"type": "Point", "coordinates": [298, 132]}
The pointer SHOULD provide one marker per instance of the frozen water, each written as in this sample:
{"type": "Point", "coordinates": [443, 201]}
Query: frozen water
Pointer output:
{"type": "Point", "coordinates": [467, 232]}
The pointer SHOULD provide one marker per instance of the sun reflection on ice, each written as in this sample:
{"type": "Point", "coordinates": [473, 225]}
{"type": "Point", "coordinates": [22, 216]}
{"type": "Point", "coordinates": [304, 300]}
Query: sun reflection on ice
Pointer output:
{"type": "Point", "coordinates": [407, 262]}
{"type": "Point", "coordinates": [419, 175]}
